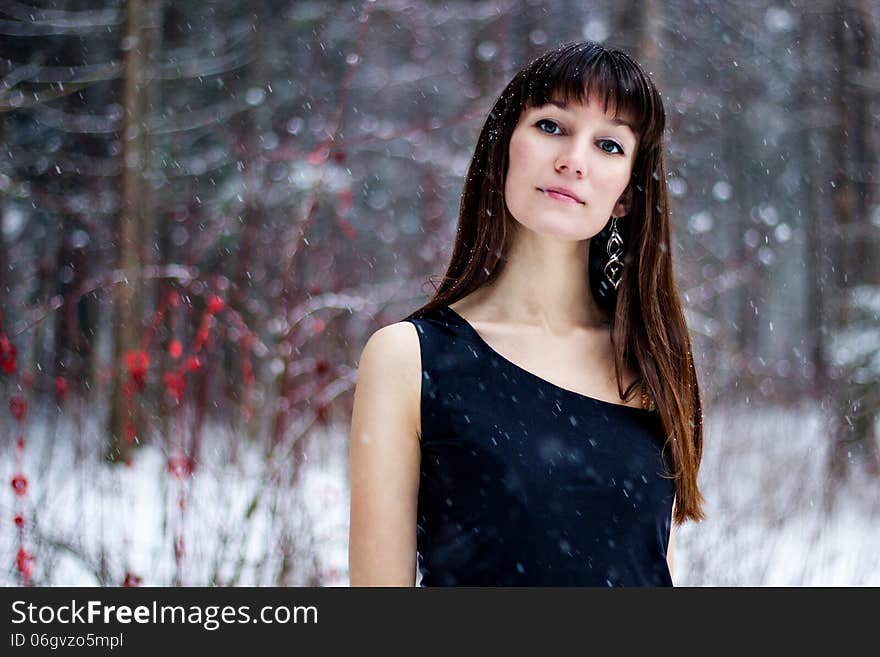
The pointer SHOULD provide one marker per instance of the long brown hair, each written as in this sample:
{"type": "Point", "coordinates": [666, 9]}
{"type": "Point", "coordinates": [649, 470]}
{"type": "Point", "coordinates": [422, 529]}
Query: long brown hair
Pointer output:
{"type": "Point", "coordinates": [648, 328]}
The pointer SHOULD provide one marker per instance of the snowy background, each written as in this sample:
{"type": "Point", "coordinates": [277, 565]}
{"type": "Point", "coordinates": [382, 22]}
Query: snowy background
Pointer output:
{"type": "Point", "coordinates": [206, 209]}
{"type": "Point", "coordinates": [763, 479]}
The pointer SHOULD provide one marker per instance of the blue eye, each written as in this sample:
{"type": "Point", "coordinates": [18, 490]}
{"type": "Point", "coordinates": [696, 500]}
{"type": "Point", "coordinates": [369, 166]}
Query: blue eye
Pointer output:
{"type": "Point", "coordinates": [546, 121]}
{"type": "Point", "coordinates": [553, 125]}
{"type": "Point", "coordinates": [613, 143]}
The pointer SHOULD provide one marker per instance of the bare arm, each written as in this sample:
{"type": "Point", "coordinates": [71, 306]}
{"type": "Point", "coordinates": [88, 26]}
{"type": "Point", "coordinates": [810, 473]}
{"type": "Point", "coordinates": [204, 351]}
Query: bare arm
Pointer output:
{"type": "Point", "coordinates": [384, 458]}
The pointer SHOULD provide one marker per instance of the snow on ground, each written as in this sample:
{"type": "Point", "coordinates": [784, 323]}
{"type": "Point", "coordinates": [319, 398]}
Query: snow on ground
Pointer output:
{"type": "Point", "coordinates": [763, 478]}
{"type": "Point", "coordinates": [82, 512]}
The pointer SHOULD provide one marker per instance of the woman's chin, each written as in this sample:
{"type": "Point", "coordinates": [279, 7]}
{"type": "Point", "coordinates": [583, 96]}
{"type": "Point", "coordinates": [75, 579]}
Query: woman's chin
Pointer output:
{"type": "Point", "coordinates": [562, 228]}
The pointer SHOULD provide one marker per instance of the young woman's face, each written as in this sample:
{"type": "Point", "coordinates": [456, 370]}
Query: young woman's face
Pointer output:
{"type": "Point", "coordinates": [578, 148]}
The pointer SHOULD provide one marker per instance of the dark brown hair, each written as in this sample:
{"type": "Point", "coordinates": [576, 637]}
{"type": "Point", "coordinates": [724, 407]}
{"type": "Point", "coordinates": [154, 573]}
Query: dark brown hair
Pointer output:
{"type": "Point", "coordinates": [648, 328]}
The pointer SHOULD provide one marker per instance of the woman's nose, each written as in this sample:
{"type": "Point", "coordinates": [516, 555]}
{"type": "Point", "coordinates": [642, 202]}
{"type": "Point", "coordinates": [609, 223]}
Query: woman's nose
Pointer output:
{"type": "Point", "coordinates": [571, 161]}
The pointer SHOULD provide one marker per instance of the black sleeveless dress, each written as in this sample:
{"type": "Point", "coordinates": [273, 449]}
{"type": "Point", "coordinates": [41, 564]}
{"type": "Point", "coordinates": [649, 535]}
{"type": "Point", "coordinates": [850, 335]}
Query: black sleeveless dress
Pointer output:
{"type": "Point", "coordinates": [525, 483]}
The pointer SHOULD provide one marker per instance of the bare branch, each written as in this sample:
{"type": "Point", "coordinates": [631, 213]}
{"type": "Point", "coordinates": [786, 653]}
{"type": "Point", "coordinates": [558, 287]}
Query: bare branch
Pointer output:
{"type": "Point", "coordinates": [61, 17]}
{"type": "Point", "coordinates": [17, 99]}
{"type": "Point", "coordinates": [12, 28]}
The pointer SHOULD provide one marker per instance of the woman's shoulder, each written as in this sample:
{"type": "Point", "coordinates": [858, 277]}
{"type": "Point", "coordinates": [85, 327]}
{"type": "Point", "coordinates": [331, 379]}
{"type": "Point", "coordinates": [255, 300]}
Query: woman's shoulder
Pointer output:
{"type": "Point", "coordinates": [389, 370]}
{"type": "Point", "coordinates": [392, 357]}
{"type": "Point", "coordinates": [395, 346]}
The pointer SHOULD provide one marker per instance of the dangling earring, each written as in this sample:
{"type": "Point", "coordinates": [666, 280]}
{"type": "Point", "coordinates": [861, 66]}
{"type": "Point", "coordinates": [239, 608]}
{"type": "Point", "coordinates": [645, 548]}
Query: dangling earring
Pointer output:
{"type": "Point", "coordinates": [614, 266]}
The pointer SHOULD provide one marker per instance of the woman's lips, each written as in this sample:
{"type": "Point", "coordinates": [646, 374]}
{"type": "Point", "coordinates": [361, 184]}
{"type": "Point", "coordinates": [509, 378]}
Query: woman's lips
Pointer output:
{"type": "Point", "coordinates": [560, 197]}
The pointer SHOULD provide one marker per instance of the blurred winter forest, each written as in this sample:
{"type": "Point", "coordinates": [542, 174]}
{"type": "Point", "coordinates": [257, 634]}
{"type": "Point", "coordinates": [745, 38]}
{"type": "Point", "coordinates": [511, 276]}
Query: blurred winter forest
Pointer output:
{"type": "Point", "coordinates": [207, 207]}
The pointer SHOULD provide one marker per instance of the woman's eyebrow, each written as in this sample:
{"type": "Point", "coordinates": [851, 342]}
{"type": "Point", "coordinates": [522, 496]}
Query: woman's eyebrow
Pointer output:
{"type": "Point", "coordinates": [561, 104]}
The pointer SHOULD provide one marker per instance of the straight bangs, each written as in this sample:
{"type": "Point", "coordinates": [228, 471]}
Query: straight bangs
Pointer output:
{"type": "Point", "coordinates": [611, 77]}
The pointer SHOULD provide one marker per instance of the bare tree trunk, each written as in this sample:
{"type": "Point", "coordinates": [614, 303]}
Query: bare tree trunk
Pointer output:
{"type": "Point", "coordinates": [151, 35]}
{"type": "Point", "coordinates": [154, 251]}
{"type": "Point", "coordinates": [128, 296]}
{"type": "Point", "coordinates": [635, 28]}
{"type": "Point", "coordinates": [647, 34]}
{"type": "Point", "coordinates": [4, 254]}
{"type": "Point", "coordinates": [842, 192]}
{"type": "Point", "coordinates": [816, 251]}
{"type": "Point", "coordinates": [865, 55]}
{"type": "Point", "coordinates": [864, 393]}
{"type": "Point", "coordinates": [853, 401]}
{"type": "Point", "coordinates": [249, 128]}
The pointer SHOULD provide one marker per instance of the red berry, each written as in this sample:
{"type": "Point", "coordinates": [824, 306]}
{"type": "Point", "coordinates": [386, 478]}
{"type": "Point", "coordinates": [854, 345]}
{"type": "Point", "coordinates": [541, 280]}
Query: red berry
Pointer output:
{"type": "Point", "coordinates": [215, 305]}
{"type": "Point", "coordinates": [347, 229]}
{"type": "Point", "coordinates": [131, 580]}
{"type": "Point", "coordinates": [19, 484]}
{"type": "Point", "coordinates": [19, 521]}
{"type": "Point", "coordinates": [175, 384]}
{"type": "Point", "coordinates": [179, 466]}
{"type": "Point", "coordinates": [175, 349]}
{"type": "Point", "coordinates": [318, 155]}
{"type": "Point", "coordinates": [345, 201]}
{"type": "Point", "coordinates": [201, 338]}
{"type": "Point", "coordinates": [23, 561]}
{"type": "Point", "coordinates": [137, 361]}
{"type": "Point", "coordinates": [323, 413]}
{"type": "Point", "coordinates": [18, 406]}
{"type": "Point", "coordinates": [247, 371]}
{"type": "Point", "coordinates": [7, 355]}
{"type": "Point", "coordinates": [61, 388]}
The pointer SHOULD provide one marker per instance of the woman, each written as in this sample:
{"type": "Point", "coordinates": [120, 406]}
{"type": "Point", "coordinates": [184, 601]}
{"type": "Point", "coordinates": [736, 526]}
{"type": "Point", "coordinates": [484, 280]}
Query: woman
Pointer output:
{"type": "Point", "coordinates": [496, 439]}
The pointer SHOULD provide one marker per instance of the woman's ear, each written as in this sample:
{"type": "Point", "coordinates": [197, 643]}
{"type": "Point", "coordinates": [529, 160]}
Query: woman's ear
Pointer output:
{"type": "Point", "coordinates": [624, 203]}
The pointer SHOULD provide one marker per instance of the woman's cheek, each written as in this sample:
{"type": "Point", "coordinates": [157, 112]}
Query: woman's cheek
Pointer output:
{"type": "Point", "coordinates": [518, 149]}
